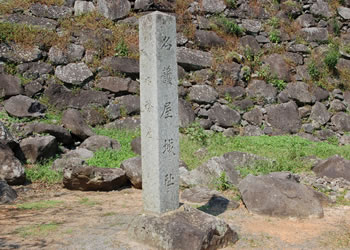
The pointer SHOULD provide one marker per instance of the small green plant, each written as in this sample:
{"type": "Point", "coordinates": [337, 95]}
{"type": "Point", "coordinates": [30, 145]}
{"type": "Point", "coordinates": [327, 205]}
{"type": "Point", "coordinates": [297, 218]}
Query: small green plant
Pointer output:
{"type": "Point", "coordinates": [313, 71]}
{"type": "Point", "coordinates": [230, 26]}
{"type": "Point", "coordinates": [231, 3]}
{"type": "Point", "coordinates": [222, 183]}
{"type": "Point", "coordinates": [37, 230]}
{"type": "Point", "coordinates": [278, 83]}
{"type": "Point", "coordinates": [336, 27]}
{"type": "Point", "coordinates": [196, 133]}
{"type": "Point", "coordinates": [43, 172]}
{"type": "Point", "coordinates": [246, 73]}
{"type": "Point", "coordinates": [332, 57]}
{"type": "Point", "coordinates": [121, 49]}
{"type": "Point", "coordinates": [275, 36]}
{"type": "Point", "coordinates": [228, 98]}
{"type": "Point", "coordinates": [39, 205]}
{"type": "Point", "coordinates": [274, 22]}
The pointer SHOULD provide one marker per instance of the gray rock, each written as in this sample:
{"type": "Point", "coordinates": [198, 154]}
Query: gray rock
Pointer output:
{"type": "Point", "coordinates": [232, 71]}
{"type": "Point", "coordinates": [347, 97]}
{"type": "Point", "coordinates": [315, 34]}
{"type": "Point", "coordinates": [186, 113]}
{"type": "Point", "coordinates": [75, 52]}
{"type": "Point", "coordinates": [321, 8]}
{"type": "Point", "coordinates": [34, 70]}
{"type": "Point", "coordinates": [255, 116]}
{"type": "Point", "coordinates": [81, 153]}
{"type": "Point", "coordinates": [213, 6]}
{"type": "Point", "coordinates": [23, 106]}
{"type": "Point", "coordinates": [114, 84]}
{"type": "Point", "coordinates": [186, 228]}
{"type": "Point", "coordinates": [319, 93]}
{"type": "Point", "coordinates": [19, 54]}
{"type": "Point", "coordinates": [224, 116]}
{"type": "Point", "coordinates": [67, 162]}
{"type": "Point", "coordinates": [337, 106]}
{"type": "Point", "coordinates": [260, 89]}
{"type": "Point", "coordinates": [325, 133]}
{"type": "Point", "coordinates": [5, 135]}
{"type": "Point", "coordinates": [208, 39]}
{"type": "Point", "coordinates": [114, 10]}
{"type": "Point", "coordinates": [198, 194]}
{"type": "Point", "coordinates": [73, 120]}
{"type": "Point", "coordinates": [39, 148]}
{"type": "Point", "coordinates": [306, 21]}
{"type": "Point", "coordinates": [234, 92]}
{"type": "Point", "coordinates": [10, 86]}
{"type": "Point", "coordinates": [11, 169]}
{"type": "Point", "coordinates": [299, 92]}
{"type": "Point", "coordinates": [61, 134]}
{"type": "Point", "coordinates": [251, 130]}
{"type": "Point", "coordinates": [52, 12]}
{"type": "Point", "coordinates": [133, 170]}
{"type": "Point", "coordinates": [94, 116]}
{"type": "Point", "coordinates": [129, 123]}
{"type": "Point", "coordinates": [341, 121]}
{"type": "Point", "coordinates": [319, 114]}
{"type": "Point", "coordinates": [57, 56]}
{"type": "Point", "coordinates": [191, 59]}
{"type": "Point", "coordinates": [128, 66]}
{"type": "Point", "coordinates": [251, 26]}
{"type": "Point", "coordinates": [7, 193]}
{"type": "Point", "coordinates": [83, 7]}
{"type": "Point", "coordinates": [278, 66]}
{"type": "Point", "coordinates": [203, 94]}
{"type": "Point", "coordinates": [249, 42]}
{"type": "Point", "coordinates": [31, 20]}
{"type": "Point", "coordinates": [136, 145]}
{"type": "Point", "coordinates": [73, 73]}
{"type": "Point", "coordinates": [87, 178]}
{"type": "Point", "coordinates": [344, 140]}
{"type": "Point", "coordinates": [96, 142]}
{"type": "Point", "coordinates": [284, 117]}
{"type": "Point", "coordinates": [344, 12]}
{"type": "Point", "coordinates": [113, 111]}
{"type": "Point", "coordinates": [143, 4]}
{"type": "Point", "coordinates": [333, 167]}
{"type": "Point", "coordinates": [277, 196]}
{"type": "Point", "coordinates": [129, 104]}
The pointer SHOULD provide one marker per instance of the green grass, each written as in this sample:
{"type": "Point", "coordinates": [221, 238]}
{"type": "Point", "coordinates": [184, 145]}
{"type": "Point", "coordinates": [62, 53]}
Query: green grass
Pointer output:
{"type": "Point", "coordinates": [37, 230]}
{"type": "Point", "coordinates": [112, 158]}
{"type": "Point", "coordinates": [42, 172]}
{"type": "Point", "coordinates": [286, 151]}
{"type": "Point", "coordinates": [87, 202]}
{"type": "Point", "coordinates": [39, 205]}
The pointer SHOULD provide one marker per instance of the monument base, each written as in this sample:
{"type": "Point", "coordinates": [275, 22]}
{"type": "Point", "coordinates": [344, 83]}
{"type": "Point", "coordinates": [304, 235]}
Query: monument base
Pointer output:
{"type": "Point", "coordinates": [185, 228]}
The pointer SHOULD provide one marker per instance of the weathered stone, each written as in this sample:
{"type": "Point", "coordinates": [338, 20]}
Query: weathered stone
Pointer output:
{"type": "Point", "coordinates": [133, 170]}
{"type": "Point", "coordinates": [128, 66]}
{"type": "Point", "coordinates": [249, 42]}
{"type": "Point", "coordinates": [75, 52]}
{"type": "Point", "coordinates": [130, 104]}
{"type": "Point", "coordinates": [87, 178]}
{"type": "Point", "coordinates": [94, 116]}
{"type": "Point", "coordinates": [11, 169]}
{"type": "Point", "coordinates": [251, 130]}
{"type": "Point", "coordinates": [203, 94]}
{"type": "Point", "coordinates": [278, 66]}
{"type": "Point", "coordinates": [299, 92]}
{"type": "Point", "coordinates": [344, 12]}
{"type": "Point", "coordinates": [319, 93]}
{"type": "Point", "coordinates": [73, 73]}
{"type": "Point", "coordinates": [114, 84]}
{"type": "Point", "coordinates": [321, 8]}
{"type": "Point", "coordinates": [260, 89]}
{"type": "Point", "coordinates": [306, 21]}
{"type": "Point", "coordinates": [113, 111]}
{"type": "Point", "coordinates": [136, 145]}
{"type": "Point", "coordinates": [347, 97]}
{"type": "Point", "coordinates": [333, 167]}
{"type": "Point", "coordinates": [39, 147]}
{"type": "Point", "coordinates": [224, 116]}
{"type": "Point", "coordinates": [57, 56]}
{"type": "Point", "coordinates": [83, 7]}
{"type": "Point", "coordinates": [191, 59]}
{"type": "Point", "coordinates": [10, 86]}
{"type": "Point", "coordinates": [255, 116]}
{"type": "Point", "coordinates": [198, 194]}
{"type": "Point", "coordinates": [143, 4]}
{"type": "Point", "coordinates": [18, 53]}
{"type": "Point", "coordinates": [130, 123]}
{"type": "Point", "coordinates": [277, 196]}
{"type": "Point", "coordinates": [31, 20]}
{"type": "Point", "coordinates": [23, 106]}
{"type": "Point", "coordinates": [234, 92]}
{"type": "Point", "coordinates": [341, 121]}
{"type": "Point", "coordinates": [67, 162]}
{"type": "Point", "coordinates": [244, 104]}
{"type": "Point", "coordinates": [34, 70]}
{"type": "Point", "coordinates": [96, 142]}
{"type": "Point", "coordinates": [7, 193]}
{"type": "Point", "coordinates": [208, 39]}
{"type": "Point", "coordinates": [284, 117]}
{"type": "Point", "coordinates": [319, 114]}
{"type": "Point", "coordinates": [61, 134]}
{"type": "Point", "coordinates": [325, 133]}
{"type": "Point", "coordinates": [213, 6]}
{"type": "Point", "coordinates": [315, 34]}
{"type": "Point", "coordinates": [187, 228]}
{"type": "Point", "coordinates": [231, 70]}
{"type": "Point", "coordinates": [81, 153]}
{"type": "Point", "coordinates": [337, 106]}
{"type": "Point", "coordinates": [114, 10]}
{"type": "Point", "coordinates": [74, 121]}
{"type": "Point", "coordinates": [52, 12]}
{"type": "Point", "coordinates": [186, 113]}
{"type": "Point", "coordinates": [251, 26]}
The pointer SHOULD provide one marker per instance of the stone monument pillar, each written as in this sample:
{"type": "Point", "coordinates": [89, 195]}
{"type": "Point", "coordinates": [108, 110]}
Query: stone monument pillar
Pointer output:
{"type": "Point", "coordinates": [159, 112]}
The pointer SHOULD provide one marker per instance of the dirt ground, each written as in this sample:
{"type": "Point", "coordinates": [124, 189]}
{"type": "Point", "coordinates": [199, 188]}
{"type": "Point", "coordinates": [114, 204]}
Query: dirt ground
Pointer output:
{"type": "Point", "coordinates": [99, 220]}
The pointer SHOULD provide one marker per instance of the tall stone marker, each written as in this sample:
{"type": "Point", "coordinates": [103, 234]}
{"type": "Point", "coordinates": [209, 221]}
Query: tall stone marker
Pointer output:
{"type": "Point", "coordinates": [159, 113]}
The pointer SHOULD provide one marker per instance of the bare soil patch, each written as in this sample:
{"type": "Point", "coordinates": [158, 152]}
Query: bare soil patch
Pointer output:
{"type": "Point", "coordinates": [99, 220]}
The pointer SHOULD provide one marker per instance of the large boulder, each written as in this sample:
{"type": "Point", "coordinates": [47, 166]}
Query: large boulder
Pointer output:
{"type": "Point", "coordinates": [186, 228]}
{"type": "Point", "coordinates": [114, 84]}
{"type": "Point", "coordinates": [224, 116]}
{"type": "Point", "coordinates": [136, 145]}
{"type": "Point", "coordinates": [73, 73]}
{"type": "Point", "coordinates": [11, 169]}
{"type": "Point", "coordinates": [284, 117]}
{"type": "Point", "coordinates": [314, 34]}
{"type": "Point", "coordinates": [203, 94]}
{"type": "Point", "coordinates": [279, 195]}
{"type": "Point", "coordinates": [96, 142]}
{"type": "Point", "coordinates": [133, 170]}
{"type": "Point", "coordinates": [278, 66]}
{"type": "Point", "coordinates": [129, 103]}
{"type": "Point", "coordinates": [67, 162]}
{"type": "Point", "coordinates": [83, 7]}
{"type": "Point", "coordinates": [23, 106]}
{"type": "Point", "coordinates": [186, 113]}
{"type": "Point", "coordinates": [333, 167]}
{"type": "Point", "coordinates": [341, 121]}
{"type": "Point", "coordinates": [319, 114]}
{"type": "Point", "coordinates": [261, 89]}
{"type": "Point", "coordinates": [40, 22]}
{"type": "Point", "coordinates": [191, 59]}
{"type": "Point", "coordinates": [208, 39]}
{"type": "Point", "coordinates": [213, 6]}
{"type": "Point", "coordinates": [62, 135]}
{"type": "Point", "coordinates": [7, 193]}
{"type": "Point", "coordinates": [128, 66]}
{"type": "Point", "coordinates": [128, 123]}
{"type": "Point", "coordinates": [39, 147]}
{"type": "Point", "coordinates": [10, 86]}
{"type": "Point", "coordinates": [74, 121]}
{"type": "Point", "coordinates": [299, 92]}
{"type": "Point", "coordinates": [321, 9]}
{"type": "Point", "coordinates": [52, 12]}
{"type": "Point", "coordinates": [93, 178]}
{"type": "Point", "coordinates": [114, 9]}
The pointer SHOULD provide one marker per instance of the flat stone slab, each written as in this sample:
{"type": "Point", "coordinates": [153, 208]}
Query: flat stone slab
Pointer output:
{"type": "Point", "coordinates": [184, 229]}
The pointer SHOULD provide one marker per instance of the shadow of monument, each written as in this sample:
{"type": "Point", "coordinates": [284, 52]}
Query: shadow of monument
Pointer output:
{"type": "Point", "coordinates": [216, 205]}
